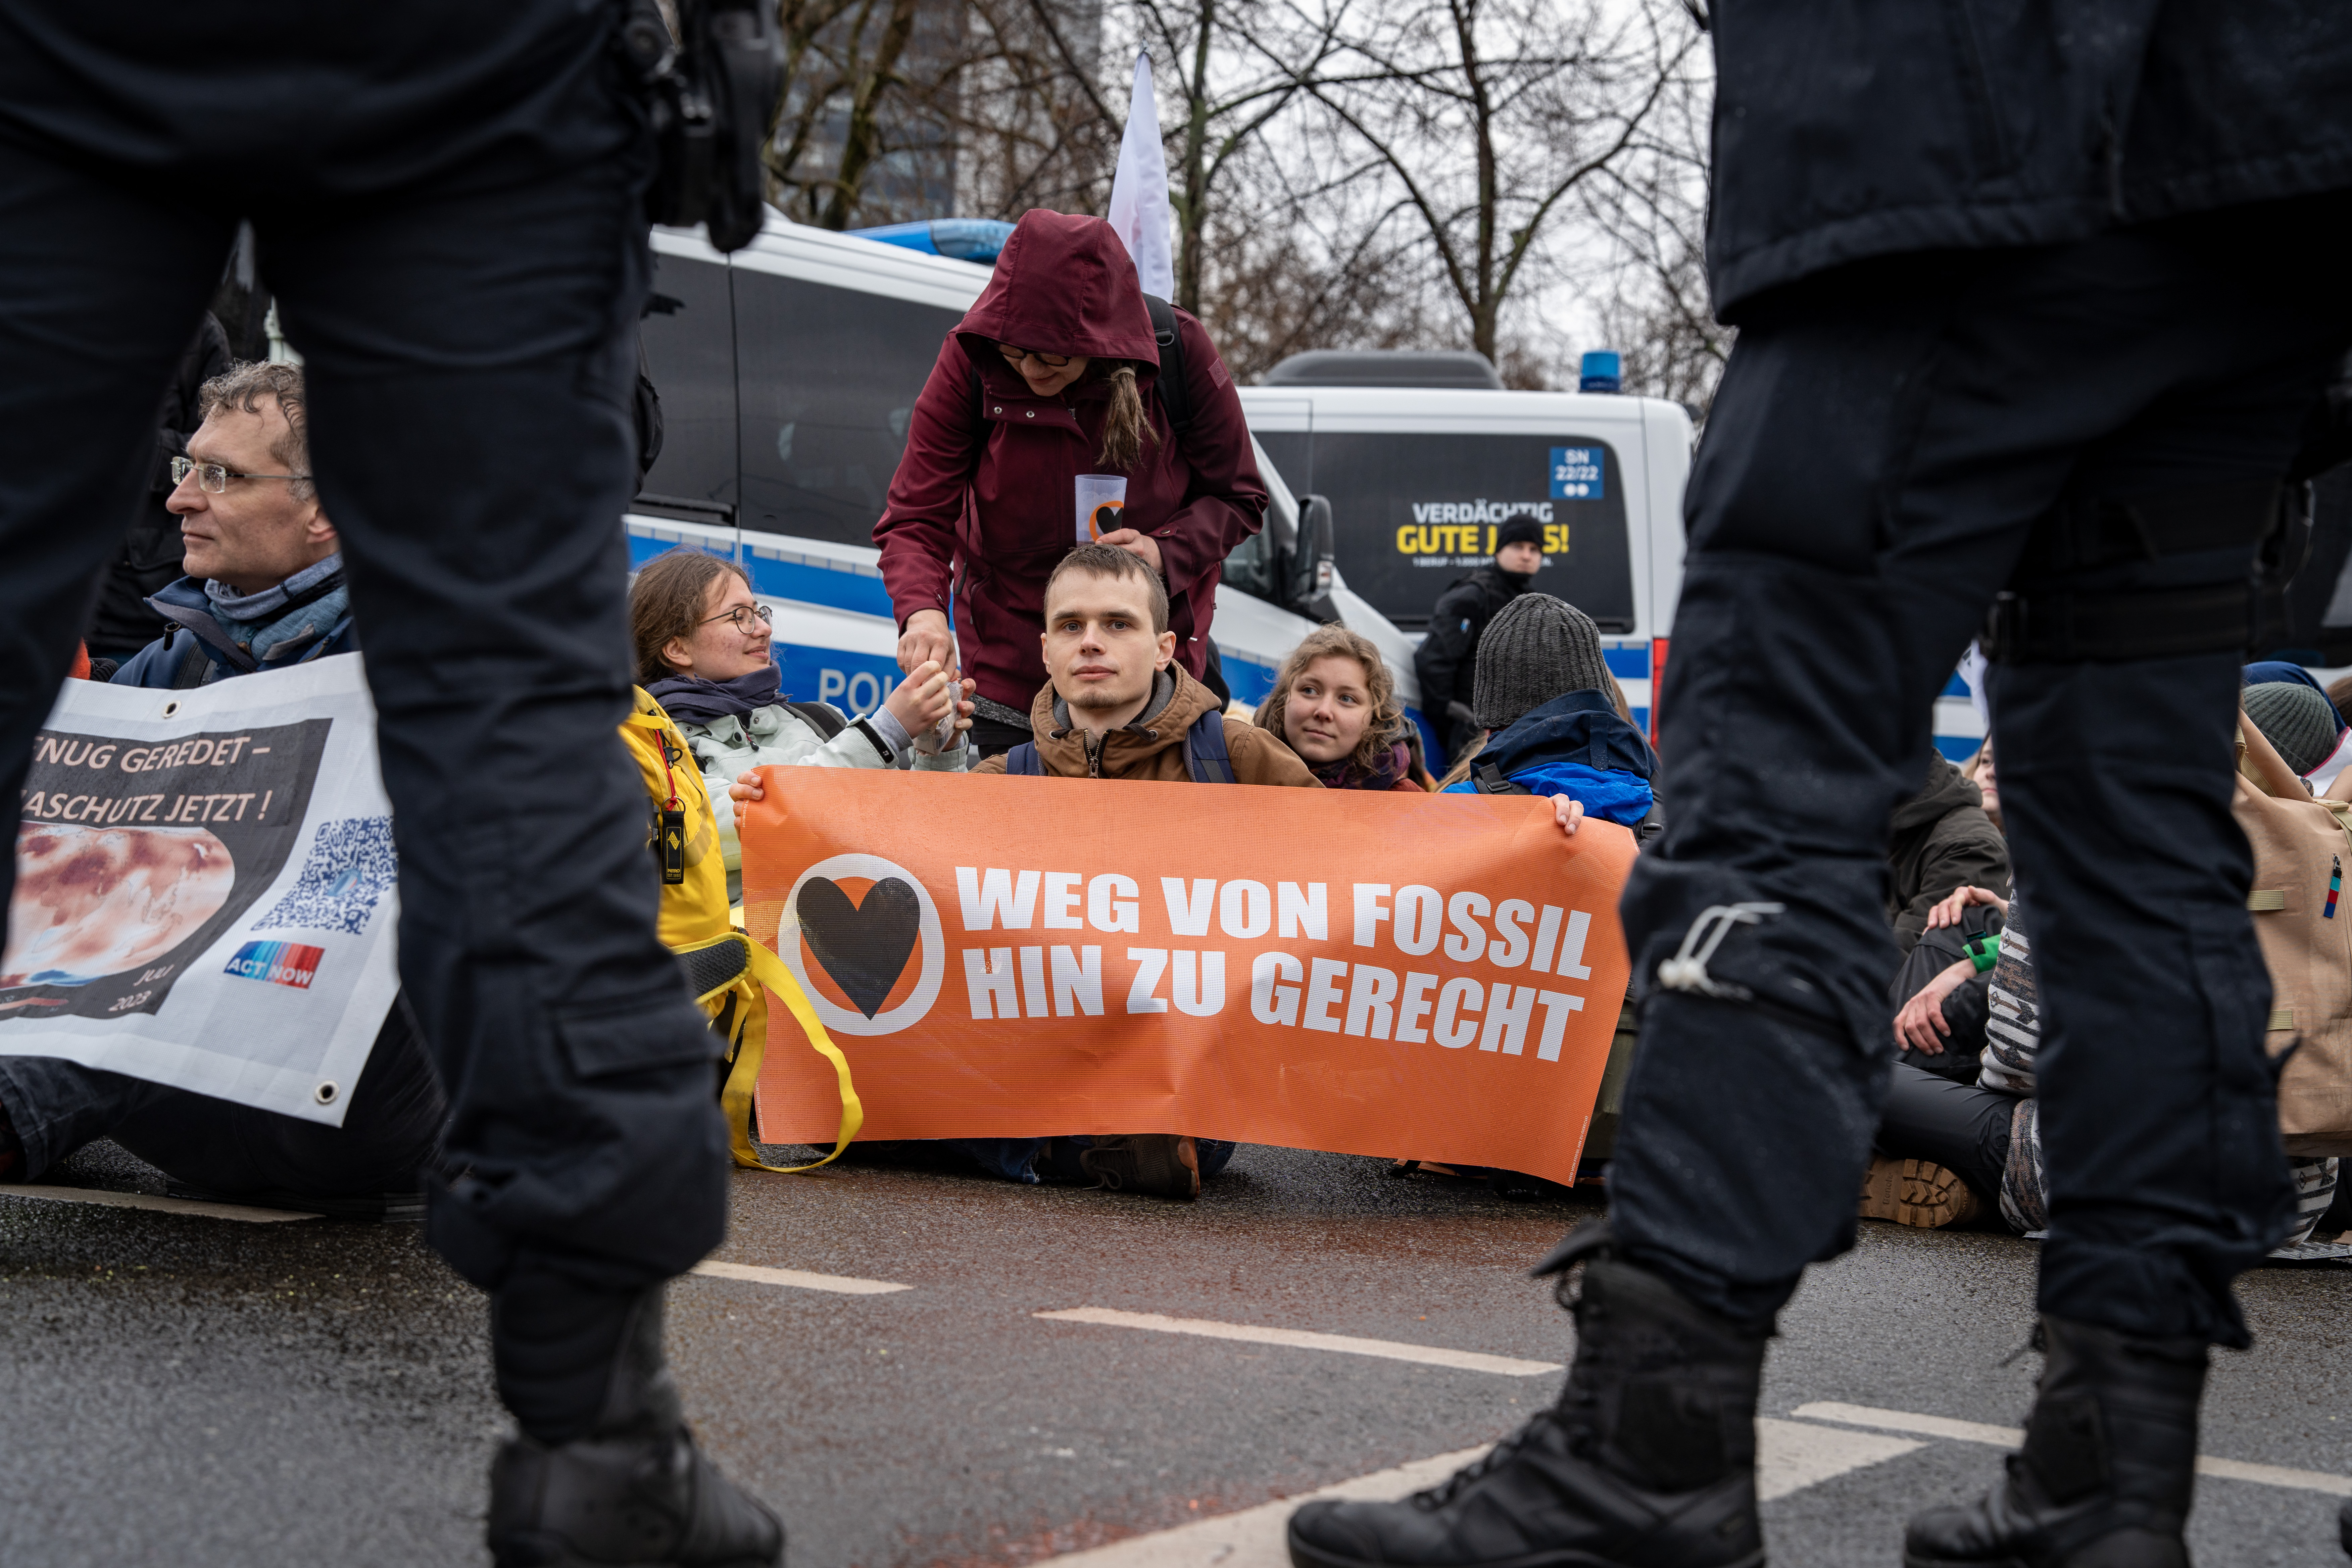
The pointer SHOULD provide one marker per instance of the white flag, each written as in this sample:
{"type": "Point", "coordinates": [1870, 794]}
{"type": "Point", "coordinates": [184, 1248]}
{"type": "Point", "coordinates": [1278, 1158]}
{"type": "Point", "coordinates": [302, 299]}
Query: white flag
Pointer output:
{"type": "Point", "coordinates": [1138, 193]}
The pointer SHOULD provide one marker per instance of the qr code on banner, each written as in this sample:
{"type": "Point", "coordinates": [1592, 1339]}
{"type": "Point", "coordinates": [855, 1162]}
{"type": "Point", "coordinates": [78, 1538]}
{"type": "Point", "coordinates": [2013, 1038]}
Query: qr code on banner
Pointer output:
{"type": "Point", "coordinates": [351, 866]}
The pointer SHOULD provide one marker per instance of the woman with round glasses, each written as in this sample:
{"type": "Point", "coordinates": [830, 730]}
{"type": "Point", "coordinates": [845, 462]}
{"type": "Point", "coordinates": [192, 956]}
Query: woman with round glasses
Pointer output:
{"type": "Point", "coordinates": [701, 646]}
{"type": "Point", "coordinates": [1045, 426]}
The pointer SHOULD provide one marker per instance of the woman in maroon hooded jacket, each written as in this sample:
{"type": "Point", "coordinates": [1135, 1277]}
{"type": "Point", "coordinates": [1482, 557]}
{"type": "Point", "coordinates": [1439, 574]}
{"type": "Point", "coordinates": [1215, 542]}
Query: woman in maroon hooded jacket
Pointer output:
{"type": "Point", "coordinates": [1043, 411]}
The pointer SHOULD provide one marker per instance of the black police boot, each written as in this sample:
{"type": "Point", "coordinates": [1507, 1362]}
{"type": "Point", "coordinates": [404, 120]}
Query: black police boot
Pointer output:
{"type": "Point", "coordinates": [633, 1491]}
{"type": "Point", "coordinates": [2109, 1462]}
{"type": "Point", "coordinates": [1648, 1460]}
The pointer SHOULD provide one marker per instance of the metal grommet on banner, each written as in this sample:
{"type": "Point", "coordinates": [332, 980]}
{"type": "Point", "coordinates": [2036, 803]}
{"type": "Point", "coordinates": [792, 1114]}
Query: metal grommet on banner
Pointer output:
{"type": "Point", "coordinates": [171, 708]}
{"type": "Point", "coordinates": [326, 1091]}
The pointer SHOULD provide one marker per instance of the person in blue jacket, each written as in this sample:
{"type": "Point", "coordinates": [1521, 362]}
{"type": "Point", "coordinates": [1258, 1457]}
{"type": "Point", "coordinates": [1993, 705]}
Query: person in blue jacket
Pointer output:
{"type": "Point", "coordinates": [265, 586]}
{"type": "Point", "coordinates": [1543, 692]}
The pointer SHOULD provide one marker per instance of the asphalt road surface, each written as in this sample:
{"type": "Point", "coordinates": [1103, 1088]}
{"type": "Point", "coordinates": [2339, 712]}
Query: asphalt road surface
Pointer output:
{"type": "Point", "coordinates": [191, 1389]}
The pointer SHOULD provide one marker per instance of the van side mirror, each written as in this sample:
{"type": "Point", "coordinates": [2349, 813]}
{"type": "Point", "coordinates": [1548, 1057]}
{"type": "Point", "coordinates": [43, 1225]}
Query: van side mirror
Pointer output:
{"type": "Point", "coordinates": [1309, 590]}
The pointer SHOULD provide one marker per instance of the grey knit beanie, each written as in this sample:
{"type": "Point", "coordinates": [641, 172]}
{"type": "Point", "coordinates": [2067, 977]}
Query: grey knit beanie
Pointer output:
{"type": "Point", "coordinates": [2294, 718]}
{"type": "Point", "coordinates": [1535, 648]}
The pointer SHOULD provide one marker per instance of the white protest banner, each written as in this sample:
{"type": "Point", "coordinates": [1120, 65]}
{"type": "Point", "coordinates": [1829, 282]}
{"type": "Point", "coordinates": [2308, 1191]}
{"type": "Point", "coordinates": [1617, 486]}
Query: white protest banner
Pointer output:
{"type": "Point", "coordinates": [205, 889]}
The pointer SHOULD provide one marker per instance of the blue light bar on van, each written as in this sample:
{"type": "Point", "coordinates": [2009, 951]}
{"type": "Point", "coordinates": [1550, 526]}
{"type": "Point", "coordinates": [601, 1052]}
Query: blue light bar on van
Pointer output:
{"type": "Point", "coordinates": [964, 239]}
{"type": "Point", "coordinates": [1602, 372]}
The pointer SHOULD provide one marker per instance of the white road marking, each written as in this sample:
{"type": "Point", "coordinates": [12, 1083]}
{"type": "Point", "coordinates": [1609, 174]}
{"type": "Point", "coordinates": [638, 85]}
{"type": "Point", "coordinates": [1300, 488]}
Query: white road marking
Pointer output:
{"type": "Point", "coordinates": [194, 1206]}
{"type": "Point", "coordinates": [1790, 1457]}
{"type": "Point", "coordinates": [1905, 1421]}
{"type": "Point", "coordinates": [1253, 1537]}
{"type": "Point", "coordinates": [1346, 1344]}
{"type": "Point", "coordinates": [798, 1279]}
{"type": "Point", "coordinates": [2011, 1438]}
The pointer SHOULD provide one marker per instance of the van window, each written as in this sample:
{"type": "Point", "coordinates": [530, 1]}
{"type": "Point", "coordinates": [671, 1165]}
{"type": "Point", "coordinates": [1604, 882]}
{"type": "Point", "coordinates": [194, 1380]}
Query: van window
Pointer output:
{"type": "Point", "coordinates": [827, 380]}
{"type": "Point", "coordinates": [1413, 512]}
{"type": "Point", "coordinates": [689, 337]}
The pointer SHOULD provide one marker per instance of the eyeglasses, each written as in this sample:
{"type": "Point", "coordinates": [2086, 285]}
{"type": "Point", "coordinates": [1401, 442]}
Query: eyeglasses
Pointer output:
{"type": "Point", "coordinates": [213, 478]}
{"type": "Point", "coordinates": [747, 618]}
{"type": "Point", "coordinates": [1013, 356]}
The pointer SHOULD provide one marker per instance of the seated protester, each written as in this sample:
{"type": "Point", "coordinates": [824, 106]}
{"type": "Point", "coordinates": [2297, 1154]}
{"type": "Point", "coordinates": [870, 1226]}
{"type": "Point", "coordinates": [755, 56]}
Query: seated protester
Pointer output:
{"type": "Point", "coordinates": [254, 538]}
{"type": "Point", "coordinates": [1944, 839]}
{"type": "Point", "coordinates": [265, 585]}
{"type": "Point", "coordinates": [1941, 839]}
{"type": "Point", "coordinates": [1119, 706]}
{"type": "Point", "coordinates": [1544, 694]}
{"type": "Point", "coordinates": [702, 652]}
{"type": "Point", "coordinates": [1335, 704]}
{"type": "Point", "coordinates": [1947, 1150]}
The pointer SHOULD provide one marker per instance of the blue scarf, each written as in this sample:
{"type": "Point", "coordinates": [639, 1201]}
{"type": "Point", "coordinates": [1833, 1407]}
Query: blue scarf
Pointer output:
{"type": "Point", "coordinates": [260, 622]}
{"type": "Point", "coordinates": [690, 700]}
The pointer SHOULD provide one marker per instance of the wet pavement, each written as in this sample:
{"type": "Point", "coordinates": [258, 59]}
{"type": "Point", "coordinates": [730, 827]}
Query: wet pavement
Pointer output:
{"type": "Point", "coordinates": [200, 1391]}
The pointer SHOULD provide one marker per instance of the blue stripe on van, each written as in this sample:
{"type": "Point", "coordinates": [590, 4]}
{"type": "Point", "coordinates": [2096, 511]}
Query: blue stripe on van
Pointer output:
{"type": "Point", "coordinates": [1628, 663]}
{"type": "Point", "coordinates": [836, 588]}
{"type": "Point", "coordinates": [1959, 748]}
{"type": "Point", "coordinates": [1955, 687]}
{"type": "Point", "coordinates": [1245, 678]}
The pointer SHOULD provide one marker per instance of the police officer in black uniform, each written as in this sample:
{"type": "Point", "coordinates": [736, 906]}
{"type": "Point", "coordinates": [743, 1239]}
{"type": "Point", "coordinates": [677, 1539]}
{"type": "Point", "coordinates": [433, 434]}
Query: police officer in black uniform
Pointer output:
{"type": "Point", "coordinates": [1449, 651]}
{"type": "Point", "coordinates": [448, 200]}
{"type": "Point", "coordinates": [2033, 317]}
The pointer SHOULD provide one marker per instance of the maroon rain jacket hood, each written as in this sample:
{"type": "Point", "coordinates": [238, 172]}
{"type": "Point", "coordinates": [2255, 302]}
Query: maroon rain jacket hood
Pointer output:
{"type": "Point", "coordinates": [1064, 285]}
{"type": "Point", "coordinates": [984, 503]}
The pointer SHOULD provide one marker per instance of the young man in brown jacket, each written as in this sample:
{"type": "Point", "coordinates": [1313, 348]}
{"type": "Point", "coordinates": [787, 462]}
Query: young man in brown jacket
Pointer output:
{"type": "Point", "coordinates": [1119, 706]}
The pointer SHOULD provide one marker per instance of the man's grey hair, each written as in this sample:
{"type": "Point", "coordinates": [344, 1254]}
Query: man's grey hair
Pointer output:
{"type": "Point", "coordinates": [243, 386]}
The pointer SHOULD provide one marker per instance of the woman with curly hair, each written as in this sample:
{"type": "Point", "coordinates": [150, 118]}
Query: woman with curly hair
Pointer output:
{"type": "Point", "coordinates": [1335, 704]}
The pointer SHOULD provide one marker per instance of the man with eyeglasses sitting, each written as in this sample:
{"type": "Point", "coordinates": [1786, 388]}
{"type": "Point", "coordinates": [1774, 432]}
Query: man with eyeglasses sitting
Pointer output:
{"type": "Point", "coordinates": [264, 591]}
{"type": "Point", "coordinates": [265, 585]}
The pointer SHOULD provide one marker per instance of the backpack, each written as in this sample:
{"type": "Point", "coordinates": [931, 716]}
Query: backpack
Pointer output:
{"type": "Point", "coordinates": [727, 974]}
{"type": "Point", "coordinates": [2301, 847]}
{"type": "Point", "coordinates": [1175, 397]}
{"type": "Point", "coordinates": [1489, 779]}
{"type": "Point", "coordinates": [1205, 757]}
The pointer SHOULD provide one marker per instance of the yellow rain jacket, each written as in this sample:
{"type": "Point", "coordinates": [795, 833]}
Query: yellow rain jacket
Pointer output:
{"type": "Point", "coordinates": [730, 974]}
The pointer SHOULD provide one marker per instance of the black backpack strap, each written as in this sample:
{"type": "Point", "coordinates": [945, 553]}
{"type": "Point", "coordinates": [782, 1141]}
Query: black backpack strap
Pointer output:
{"type": "Point", "coordinates": [1175, 393]}
{"type": "Point", "coordinates": [1205, 756]}
{"type": "Point", "coordinates": [823, 717]}
{"type": "Point", "coordinates": [1022, 760]}
{"type": "Point", "coordinates": [1490, 780]}
{"type": "Point", "coordinates": [195, 665]}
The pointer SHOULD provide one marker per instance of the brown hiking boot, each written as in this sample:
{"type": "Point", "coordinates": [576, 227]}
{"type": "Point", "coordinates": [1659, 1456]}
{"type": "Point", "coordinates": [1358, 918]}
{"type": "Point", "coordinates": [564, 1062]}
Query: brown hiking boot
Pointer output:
{"type": "Point", "coordinates": [1918, 1193]}
{"type": "Point", "coordinates": [1156, 1162]}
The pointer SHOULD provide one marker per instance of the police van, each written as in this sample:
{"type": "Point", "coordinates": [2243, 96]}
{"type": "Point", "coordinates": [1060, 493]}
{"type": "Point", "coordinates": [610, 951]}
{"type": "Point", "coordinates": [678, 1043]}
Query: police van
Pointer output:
{"type": "Point", "coordinates": [1419, 477]}
{"type": "Point", "coordinates": [788, 371]}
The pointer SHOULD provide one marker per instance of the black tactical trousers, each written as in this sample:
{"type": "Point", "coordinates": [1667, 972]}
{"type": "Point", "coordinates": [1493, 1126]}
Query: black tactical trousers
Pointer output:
{"type": "Point", "coordinates": [1892, 443]}
{"type": "Point", "coordinates": [447, 204]}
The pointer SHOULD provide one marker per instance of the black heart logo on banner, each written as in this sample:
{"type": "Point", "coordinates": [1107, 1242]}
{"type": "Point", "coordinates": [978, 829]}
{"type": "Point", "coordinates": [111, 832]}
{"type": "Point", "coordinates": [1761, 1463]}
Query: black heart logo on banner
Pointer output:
{"type": "Point", "coordinates": [863, 947]}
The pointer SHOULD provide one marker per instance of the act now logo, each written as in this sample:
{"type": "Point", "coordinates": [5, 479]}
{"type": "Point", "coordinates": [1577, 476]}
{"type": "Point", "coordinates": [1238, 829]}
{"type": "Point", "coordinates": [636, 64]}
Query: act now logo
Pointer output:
{"type": "Point", "coordinates": [278, 963]}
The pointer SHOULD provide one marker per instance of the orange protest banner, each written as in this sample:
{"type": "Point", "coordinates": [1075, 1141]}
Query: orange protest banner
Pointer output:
{"type": "Point", "coordinates": [1386, 975]}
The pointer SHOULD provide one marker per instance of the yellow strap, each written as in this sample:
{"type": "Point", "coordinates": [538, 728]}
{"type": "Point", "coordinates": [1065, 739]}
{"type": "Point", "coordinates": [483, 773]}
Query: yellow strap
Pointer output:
{"type": "Point", "coordinates": [2282, 1018]}
{"type": "Point", "coordinates": [2267, 899]}
{"type": "Point", "coordinates": [736, 1097]}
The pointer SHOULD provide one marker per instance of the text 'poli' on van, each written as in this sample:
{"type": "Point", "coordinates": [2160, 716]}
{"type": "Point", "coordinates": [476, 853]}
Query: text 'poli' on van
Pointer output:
{"type": "Point", "coordinates": [1424, 455]}
{"type": "Point", "coordinates": [788, 371]}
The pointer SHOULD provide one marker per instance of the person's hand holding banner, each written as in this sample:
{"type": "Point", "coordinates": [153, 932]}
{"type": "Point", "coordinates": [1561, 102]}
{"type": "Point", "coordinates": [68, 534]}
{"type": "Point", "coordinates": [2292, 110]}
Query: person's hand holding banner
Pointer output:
{"type": "Point", "coordinates": [1025, 957]}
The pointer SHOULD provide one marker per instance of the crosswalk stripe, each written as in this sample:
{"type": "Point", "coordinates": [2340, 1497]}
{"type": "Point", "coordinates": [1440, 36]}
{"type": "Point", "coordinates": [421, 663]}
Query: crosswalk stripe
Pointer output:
{"type": "Point", "coordinates": [2011, 1438]}
{"type": "Point", "coordinates": [796, 1278]}
{"type": "Point", "coordinates": [196, 1207]}
{"type": "Point", "coordinates": [1298, 1339]}
{"type": "Point", "coordinates": [1790, 1457]}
